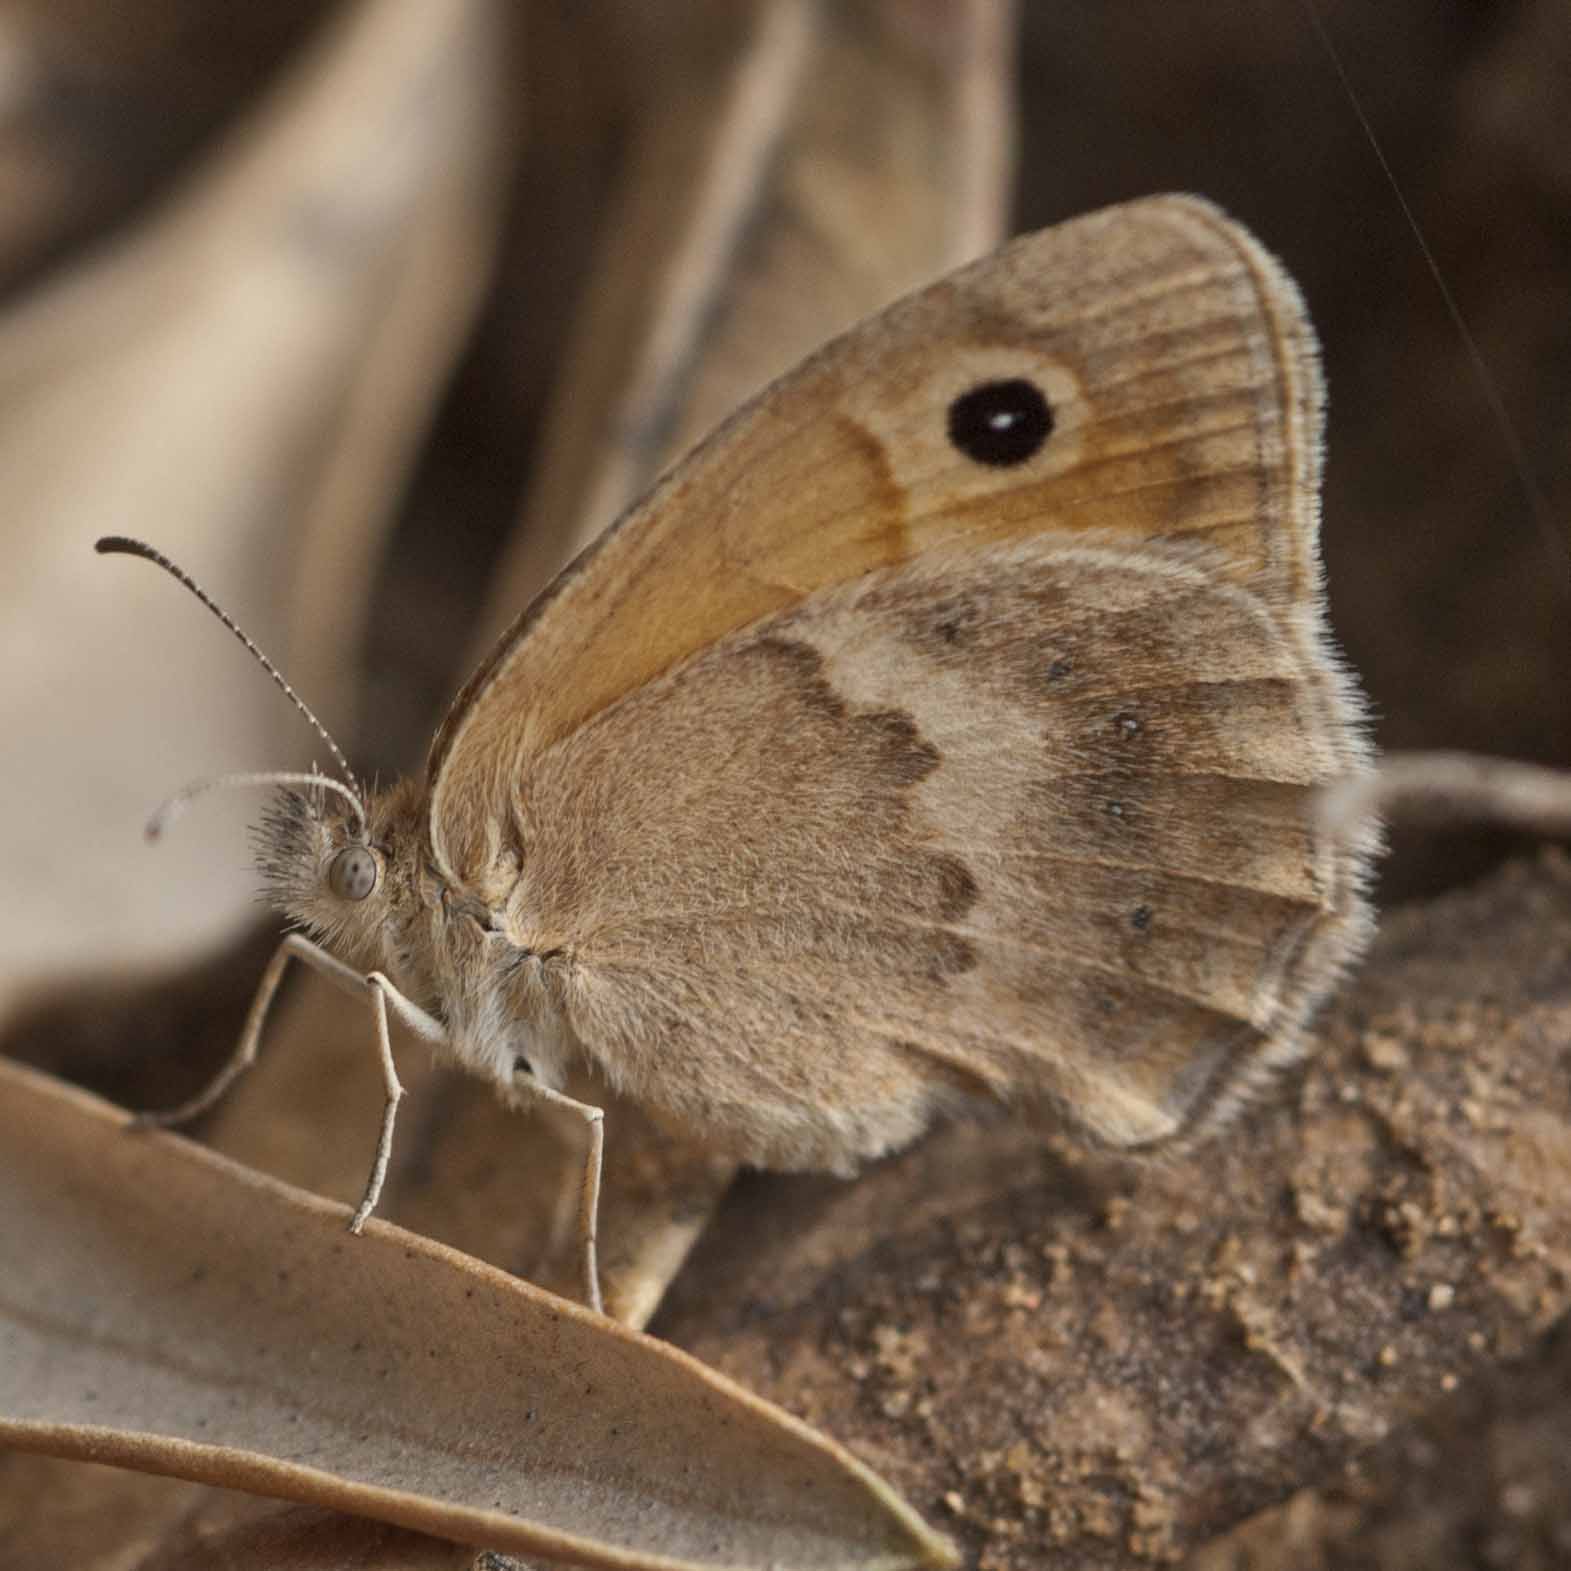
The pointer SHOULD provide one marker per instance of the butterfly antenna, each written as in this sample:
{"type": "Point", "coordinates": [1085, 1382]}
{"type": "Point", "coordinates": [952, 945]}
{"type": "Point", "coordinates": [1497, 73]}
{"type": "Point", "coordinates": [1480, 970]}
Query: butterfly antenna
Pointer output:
{"type": "Point", "coordinates": [123, 545]}
{"type": "Point", "coordinates": [172, 807]}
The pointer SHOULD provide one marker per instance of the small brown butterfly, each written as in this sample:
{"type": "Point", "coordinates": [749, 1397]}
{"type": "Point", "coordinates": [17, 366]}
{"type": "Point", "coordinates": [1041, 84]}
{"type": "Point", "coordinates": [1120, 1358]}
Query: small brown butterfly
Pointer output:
{"type": "Point", "coordinates": [943, 732]}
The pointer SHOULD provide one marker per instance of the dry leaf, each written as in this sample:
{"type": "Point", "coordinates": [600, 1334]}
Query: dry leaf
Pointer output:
{"type": "Point", "coordinates": [307, 1538]}
{"type": "Point", "coordinates": [740, 241]}
{"type": "Point", "coordinates": [241, 379]}
{"type": "Point", "coordinates": [99, 102]}
{"type": "Point", "coordinates": [167, 1310]}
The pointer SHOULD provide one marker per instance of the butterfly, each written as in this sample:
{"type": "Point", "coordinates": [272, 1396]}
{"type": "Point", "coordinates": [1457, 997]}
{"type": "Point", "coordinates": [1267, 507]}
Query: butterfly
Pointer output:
{"type": "Point", "coordinates": [942, 733]}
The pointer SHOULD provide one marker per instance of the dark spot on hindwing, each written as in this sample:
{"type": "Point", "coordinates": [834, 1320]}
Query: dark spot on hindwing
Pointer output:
{"type": "Point", "coordinates": [803, 666]}
{"type": "Point", "coordinates": [1140, 918]}
{"type": "Point", "coordinates": [879, 756]}
{"type": "Point", "coordinates": [950, 625]}
{"type": "Point", "coordinates": [950, 955]}
{"type": "Point", "coordinates": [957, 888]}
{"type": "Point", "coordinates": [910, 757]}
{"type": "Point", "coordinates": [1001, 423]}
{"type": "Point", "coordinates": [904, 756]}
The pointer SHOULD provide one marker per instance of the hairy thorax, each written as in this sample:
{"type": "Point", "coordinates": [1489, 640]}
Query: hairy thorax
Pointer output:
{"type": "Point", "coordinates": [475, 968]}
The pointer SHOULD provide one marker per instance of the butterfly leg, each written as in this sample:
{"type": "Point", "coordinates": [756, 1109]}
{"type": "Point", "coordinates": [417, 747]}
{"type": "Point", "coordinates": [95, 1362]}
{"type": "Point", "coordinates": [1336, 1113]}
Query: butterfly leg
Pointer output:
{"type": "Point", "coordinates": [382, 993]}
{"type": "Point", "coordinates": [244, 1055]}
{"type": "Point", "coordinates": [380, 989]}
{"type": "Point", "coordinates": [589, 1192]}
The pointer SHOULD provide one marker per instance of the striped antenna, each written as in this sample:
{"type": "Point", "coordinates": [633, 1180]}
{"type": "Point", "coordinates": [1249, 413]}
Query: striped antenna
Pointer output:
{"type": "Point", "coordinates": [124, 545]}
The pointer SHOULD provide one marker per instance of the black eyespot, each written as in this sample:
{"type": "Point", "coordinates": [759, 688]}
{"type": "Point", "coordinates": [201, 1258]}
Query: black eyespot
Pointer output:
{"type": "Point", "coordinates": [1001, 423]}
{"type": "Point", "coordinates": [352, 874]}
{"type": "Point", "coordinates": [522, 1066]}
{"type": "Point", "coordinates": [1140, 918]}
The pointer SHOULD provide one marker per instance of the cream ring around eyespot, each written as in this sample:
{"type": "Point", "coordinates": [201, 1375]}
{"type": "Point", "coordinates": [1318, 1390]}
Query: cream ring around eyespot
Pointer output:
{"type": "Point", "coordinates": [912, 426]}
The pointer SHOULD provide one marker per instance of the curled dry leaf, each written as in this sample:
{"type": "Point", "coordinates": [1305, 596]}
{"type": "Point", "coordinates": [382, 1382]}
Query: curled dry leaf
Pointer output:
{"type": "Point", "coordinates": [738, 241]}
{"type": "Point", "coordinates": [166, 1310]}
{"type": "Point", "coordinates": [242, 378]}
{"type": "Point", "coordinates": [98, 103]}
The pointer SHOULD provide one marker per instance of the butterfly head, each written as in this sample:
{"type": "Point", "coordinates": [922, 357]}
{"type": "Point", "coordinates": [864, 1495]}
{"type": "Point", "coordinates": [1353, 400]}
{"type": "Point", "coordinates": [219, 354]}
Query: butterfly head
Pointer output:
{"type": "Point", "coordinates": [335, 865]}
{"type": "Point", "coordinates": [360, 880]}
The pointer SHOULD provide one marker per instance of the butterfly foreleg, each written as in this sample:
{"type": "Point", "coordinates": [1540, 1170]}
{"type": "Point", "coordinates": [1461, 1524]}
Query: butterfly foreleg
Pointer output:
{"type": "Point", "coordinates": [529, 1089]}
{"type": "Point", "coordinates": [244, 1054]}
{"type": "Point", "coordinates": [381, 993]}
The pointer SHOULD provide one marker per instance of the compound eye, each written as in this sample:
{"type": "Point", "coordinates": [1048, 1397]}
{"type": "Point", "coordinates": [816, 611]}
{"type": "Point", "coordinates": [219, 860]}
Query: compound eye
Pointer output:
{"type": "Point", "coordinates": [352, 874]}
